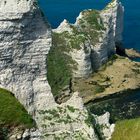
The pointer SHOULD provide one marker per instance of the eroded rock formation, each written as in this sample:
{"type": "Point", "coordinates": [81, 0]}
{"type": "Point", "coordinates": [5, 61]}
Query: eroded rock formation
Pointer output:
{"type": "Point", "coordinates": [25, 39]}
{"type": "Point", "coordinates": [93, 38]}
{"type": "Point", "coordinates": [80, 49]}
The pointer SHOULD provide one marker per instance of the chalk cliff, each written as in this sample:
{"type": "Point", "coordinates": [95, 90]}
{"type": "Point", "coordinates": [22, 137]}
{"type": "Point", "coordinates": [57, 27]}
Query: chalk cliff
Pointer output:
{"type": "Point", "coordinates": [97, 33]}
{"type": "Point", "coordinates": [25, 40]}
{"type": "Point", "coordinates": [85, 45]}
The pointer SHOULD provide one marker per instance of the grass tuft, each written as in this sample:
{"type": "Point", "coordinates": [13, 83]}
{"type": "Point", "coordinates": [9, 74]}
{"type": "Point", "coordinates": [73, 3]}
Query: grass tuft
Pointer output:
{"type": "Point", "coordinates": [127, 130]}
{"type": "Point", "coordinates": [12, 113]}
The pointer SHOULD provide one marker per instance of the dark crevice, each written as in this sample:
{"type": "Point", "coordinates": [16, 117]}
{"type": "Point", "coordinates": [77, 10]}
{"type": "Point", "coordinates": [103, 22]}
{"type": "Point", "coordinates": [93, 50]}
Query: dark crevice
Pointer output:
{"type": "Point", "coordinates": [119, 49]}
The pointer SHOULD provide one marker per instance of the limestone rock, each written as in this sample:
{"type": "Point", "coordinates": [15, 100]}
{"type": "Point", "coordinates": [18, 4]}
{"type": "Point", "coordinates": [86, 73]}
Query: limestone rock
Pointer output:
{"type": "Point", "coordinates": [97, 33]}
{"type": "Point", "coordinates": [82, 58]}
{"type": "Point", "coordinates": [132, 53]}
{"type": "Point", "coordinates": [25, 39]}
{"type": "Point", "coordinates": [21, 134]}
{"type": "Point", "coordinates": [104, 128]}
{"type": "Point", "coordinates": [64, 26]}
{"type": "Point", "coordinates": [69, 121]}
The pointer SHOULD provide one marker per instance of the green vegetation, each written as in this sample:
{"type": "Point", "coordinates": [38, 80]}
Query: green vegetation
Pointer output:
{"type": "Point", "coordinates": [76, 40]}
{"type": "Point", "coordinates": [12, 113]}
{"type": "Point", "coordinates": [58, 115]}
{"type": "Point", "coordinates": [58, 62]}
{"type": "Point", "coordinates": [92, 17]}
{"type": "Point", "coordinates": [90, 119]}
{"type": "Point", "coordinates": [71, 108]}
{"type": "Point", "coordinates": [127, 130]}
{"type": "Point", "coordinates": [92, 25]}
{"type": "Point", "coordinates": [99, 89]}
{"type": "Point", "coordinates": [66, 135]}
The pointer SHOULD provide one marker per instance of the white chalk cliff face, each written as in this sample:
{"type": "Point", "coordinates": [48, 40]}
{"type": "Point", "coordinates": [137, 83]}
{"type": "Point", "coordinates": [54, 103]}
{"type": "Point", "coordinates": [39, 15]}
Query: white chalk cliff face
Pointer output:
{"type": "Point", "coordinates": [112, 17]}
{"type": "Point", "coordinates": [101, 31]}
{"type": "Point", "coordinates": [25, 40]}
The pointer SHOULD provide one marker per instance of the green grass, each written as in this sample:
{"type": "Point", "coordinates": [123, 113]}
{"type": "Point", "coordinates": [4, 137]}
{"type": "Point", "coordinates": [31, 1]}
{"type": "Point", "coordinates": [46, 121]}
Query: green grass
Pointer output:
{"type": "Point", "coordinates": [71, 108]}
{"type": "Point", "coordinates": [12, 113]}
{"type": "Point", "coordinates": [92, 25]}
{"type": "Point", "coordinates": [93, 18]}
{"type": "Point", "coordinates": [59, 65]}
{"type": "Point", "coordinates": [127, 130]}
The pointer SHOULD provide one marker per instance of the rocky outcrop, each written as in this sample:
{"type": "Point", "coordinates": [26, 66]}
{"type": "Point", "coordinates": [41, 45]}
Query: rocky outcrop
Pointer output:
{"type": "Point", "coordinates": [104, 128]}
{"type": "Point", "coordinates": [81, 48]}
{"type": "Point", "coordinates": [67, 121]}
{"type": "Point", "coordinates": [112, 16]}
{"type": "Point", "coordinates": [25, 39]}
{"type": "Point", "coordinates": [132, 53]}
{"type": "Point", "coordinates": [97, 33]}
{"type": "Point", "coordinates": [22, 134]}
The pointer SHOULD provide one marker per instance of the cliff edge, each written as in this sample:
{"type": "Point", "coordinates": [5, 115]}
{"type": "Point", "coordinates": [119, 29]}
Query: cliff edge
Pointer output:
{"type": "Point", "coordinates": [74, 50]}
{"type": "Point", "coordinates": [80, 49]}
{"type": "Point", "coordinates": [25, 39]}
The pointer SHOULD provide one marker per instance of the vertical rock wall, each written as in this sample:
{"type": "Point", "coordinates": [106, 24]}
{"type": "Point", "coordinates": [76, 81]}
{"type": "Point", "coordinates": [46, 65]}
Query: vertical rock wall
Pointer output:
{"type": "Point", "coordinates": [102, 31]}
{"type": "Point", "coordinates": [25, 39]}
{"type": "Point", "coordinates": [112, 17]}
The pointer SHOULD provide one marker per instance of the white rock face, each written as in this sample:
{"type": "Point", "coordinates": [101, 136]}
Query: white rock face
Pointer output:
{"type": "Point", "coordinates": [69, 121]}
{"type": "Point", "coordinates": [64, 26]}
{"type": "Point", "coordinates": [82, 59]}
{"type": "Point", "coordinates": [20, 134]}
{"type": "Point", "coordinates": [25, 39]}
{"type": "Point", "coordinates": [104, 127]}
{"type": "Point", "coordinates": [111, 18]}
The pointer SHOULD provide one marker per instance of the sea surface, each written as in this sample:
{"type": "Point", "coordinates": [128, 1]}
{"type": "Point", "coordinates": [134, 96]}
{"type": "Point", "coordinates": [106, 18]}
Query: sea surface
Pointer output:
{"type": "Point", "coordinates": [58, 10]}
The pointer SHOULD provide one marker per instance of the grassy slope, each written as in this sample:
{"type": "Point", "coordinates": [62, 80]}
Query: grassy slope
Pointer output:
{"type": "Point", "coordinates": [127, 130]}
{"type": "Point", "coordinates": [12, 113]}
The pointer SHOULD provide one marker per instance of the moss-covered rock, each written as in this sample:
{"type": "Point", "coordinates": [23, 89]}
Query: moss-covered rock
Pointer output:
{"type": "Point", "coordinates": [59, 64]}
